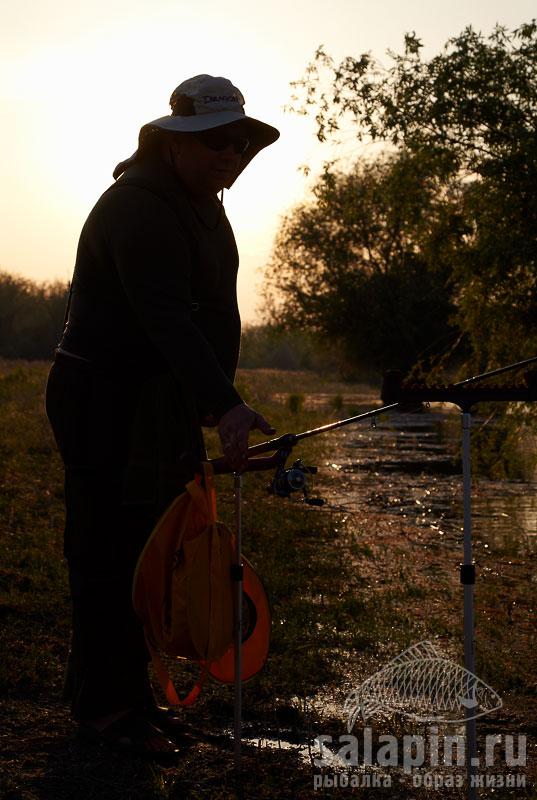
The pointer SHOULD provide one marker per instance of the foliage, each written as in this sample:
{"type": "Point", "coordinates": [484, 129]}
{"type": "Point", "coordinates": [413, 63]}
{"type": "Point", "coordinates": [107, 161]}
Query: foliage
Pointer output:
{"type": "Point", "coordinates": [475, 100]}
{"type": "Point", "coordinates": [473, 107]}
{"type": "Point", "coordinates": [367, 261]}
{"type": "Point", "coordinates": [271, 346]}
{"type": "Point", "coordinates": [31, 316]}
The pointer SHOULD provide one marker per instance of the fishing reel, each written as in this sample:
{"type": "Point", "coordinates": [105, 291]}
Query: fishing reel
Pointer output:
{"type": "Point", "coordinates": [294, 479]}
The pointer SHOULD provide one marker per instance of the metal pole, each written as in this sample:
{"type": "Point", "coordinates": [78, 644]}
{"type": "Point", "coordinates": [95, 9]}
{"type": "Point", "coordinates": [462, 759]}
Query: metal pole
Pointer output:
{"type": "Point", "coordinates": [238, 622]}
{"type": "Point", "coordinates": [468, 580]}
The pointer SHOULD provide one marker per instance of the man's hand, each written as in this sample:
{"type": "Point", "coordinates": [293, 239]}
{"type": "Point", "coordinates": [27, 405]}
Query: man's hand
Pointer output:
{"type": "Point", "coordinates": [234, 427]}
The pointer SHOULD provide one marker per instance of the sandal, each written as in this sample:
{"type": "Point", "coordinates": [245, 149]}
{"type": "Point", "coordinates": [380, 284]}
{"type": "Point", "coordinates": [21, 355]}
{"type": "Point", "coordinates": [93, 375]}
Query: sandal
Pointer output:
{"type": "Point", "coordinates": [132, 734]}
{"type": "Point", "coordinates": [167, 721]}
{"type": "Point", "coordinates": [164, 718]}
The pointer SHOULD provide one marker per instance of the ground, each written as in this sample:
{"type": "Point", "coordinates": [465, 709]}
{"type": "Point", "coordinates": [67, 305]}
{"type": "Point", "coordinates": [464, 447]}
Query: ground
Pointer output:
{"type": "Point", "coordinates": [351, 586]}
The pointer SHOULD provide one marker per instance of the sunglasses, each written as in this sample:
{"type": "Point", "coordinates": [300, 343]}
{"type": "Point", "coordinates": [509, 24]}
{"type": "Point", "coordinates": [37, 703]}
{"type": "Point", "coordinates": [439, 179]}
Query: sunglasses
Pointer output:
{"type": "Point", "coordinates": [215, 139]}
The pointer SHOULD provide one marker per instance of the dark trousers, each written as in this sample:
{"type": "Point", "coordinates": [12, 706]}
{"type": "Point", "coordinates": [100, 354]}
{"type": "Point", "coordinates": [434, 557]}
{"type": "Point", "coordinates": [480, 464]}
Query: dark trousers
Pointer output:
{"type": "Point", "coordinates": [91, 415]}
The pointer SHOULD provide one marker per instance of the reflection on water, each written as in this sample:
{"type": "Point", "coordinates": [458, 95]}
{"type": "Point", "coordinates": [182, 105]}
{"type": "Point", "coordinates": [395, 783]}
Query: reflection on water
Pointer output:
{"type": "Point", "coordinates": [405, 466]}
{"type": "Point", "coordinates": [507, 512]}
{"type": "Point", "coordinates": [408, 467]}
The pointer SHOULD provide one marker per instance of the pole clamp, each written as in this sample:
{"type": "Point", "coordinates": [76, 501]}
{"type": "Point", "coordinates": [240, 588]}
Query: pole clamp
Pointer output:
{"type": "Point", "coordinates": [467, 574]}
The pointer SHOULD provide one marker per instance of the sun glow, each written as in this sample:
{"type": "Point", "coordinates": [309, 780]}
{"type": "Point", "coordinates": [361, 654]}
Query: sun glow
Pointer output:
{"type": "Point", "coordinates": [76, 115]}
{"type": "Point", "coordinates": [78, 81]}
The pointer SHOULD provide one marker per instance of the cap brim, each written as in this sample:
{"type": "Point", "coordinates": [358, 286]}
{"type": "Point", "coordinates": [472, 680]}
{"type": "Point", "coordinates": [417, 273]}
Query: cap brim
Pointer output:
{"type": "Point", "coordinates": [261, 134]}
{"type": "Point", "coordinates": [196, 122]}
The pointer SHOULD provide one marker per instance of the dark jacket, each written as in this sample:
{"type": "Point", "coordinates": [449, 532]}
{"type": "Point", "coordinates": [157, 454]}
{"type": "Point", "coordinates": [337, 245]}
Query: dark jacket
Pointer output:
{"type": "Point", "coordinates": [154, 300]}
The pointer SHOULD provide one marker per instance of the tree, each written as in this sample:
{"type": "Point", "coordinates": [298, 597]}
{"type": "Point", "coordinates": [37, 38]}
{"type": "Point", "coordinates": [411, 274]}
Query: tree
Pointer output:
{"type": "Point", "coordinates": [473, 109]}
{"type": "Point", "coordinates": [366, 262]}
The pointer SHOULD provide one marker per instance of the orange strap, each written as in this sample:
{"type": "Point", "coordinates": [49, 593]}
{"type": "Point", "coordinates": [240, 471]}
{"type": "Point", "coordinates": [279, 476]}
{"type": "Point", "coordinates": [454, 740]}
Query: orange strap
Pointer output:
{"type": "Point", "coordinates": [166, 682]}
{"type": "Point", "coordinates": [204, 498]}
{"type": "Point", "coordinates": [208, 475]}
{"type": "Point", "coordinates": [208, 498]}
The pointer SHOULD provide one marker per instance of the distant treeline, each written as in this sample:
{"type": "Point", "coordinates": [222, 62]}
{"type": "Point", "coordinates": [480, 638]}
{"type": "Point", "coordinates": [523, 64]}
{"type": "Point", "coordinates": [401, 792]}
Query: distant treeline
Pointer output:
{"type": "Point", "coordinates": [270, 346]}
{"type": "Point", "coordinates": [32, 316]}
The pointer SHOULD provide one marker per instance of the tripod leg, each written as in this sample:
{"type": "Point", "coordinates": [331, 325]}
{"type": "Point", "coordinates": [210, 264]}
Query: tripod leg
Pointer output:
{"type": "Point", "coordinates": [238, 623]}
{"type": "Point", "coordinates": [467, 579]}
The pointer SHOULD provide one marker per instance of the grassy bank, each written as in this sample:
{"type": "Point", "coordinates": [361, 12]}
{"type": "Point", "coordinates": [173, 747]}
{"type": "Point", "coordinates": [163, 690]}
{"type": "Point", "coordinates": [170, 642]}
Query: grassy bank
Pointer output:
{"type": "Point", "coordinates": [348, 592]}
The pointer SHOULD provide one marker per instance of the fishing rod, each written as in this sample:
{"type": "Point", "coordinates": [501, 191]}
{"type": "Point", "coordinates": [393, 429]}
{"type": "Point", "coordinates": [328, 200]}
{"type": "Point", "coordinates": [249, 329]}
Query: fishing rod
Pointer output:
{"type": "Point", "coordinates": [459, 393]}
{"type": "Point", "coordinates": [293, 479]}
{"type": "Point", "coordinates": [499, 371]}
{"type": "Point", "coordinates": [287, 481]}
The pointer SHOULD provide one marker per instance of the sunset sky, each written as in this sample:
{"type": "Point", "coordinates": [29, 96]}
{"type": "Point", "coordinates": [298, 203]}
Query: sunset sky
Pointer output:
{"type": "Point", "coordinates": [78, 81]}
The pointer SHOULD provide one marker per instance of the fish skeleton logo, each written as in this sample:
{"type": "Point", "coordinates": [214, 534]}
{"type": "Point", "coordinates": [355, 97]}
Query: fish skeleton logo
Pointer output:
{"type": "Point", "coordinates": [426, 686]}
